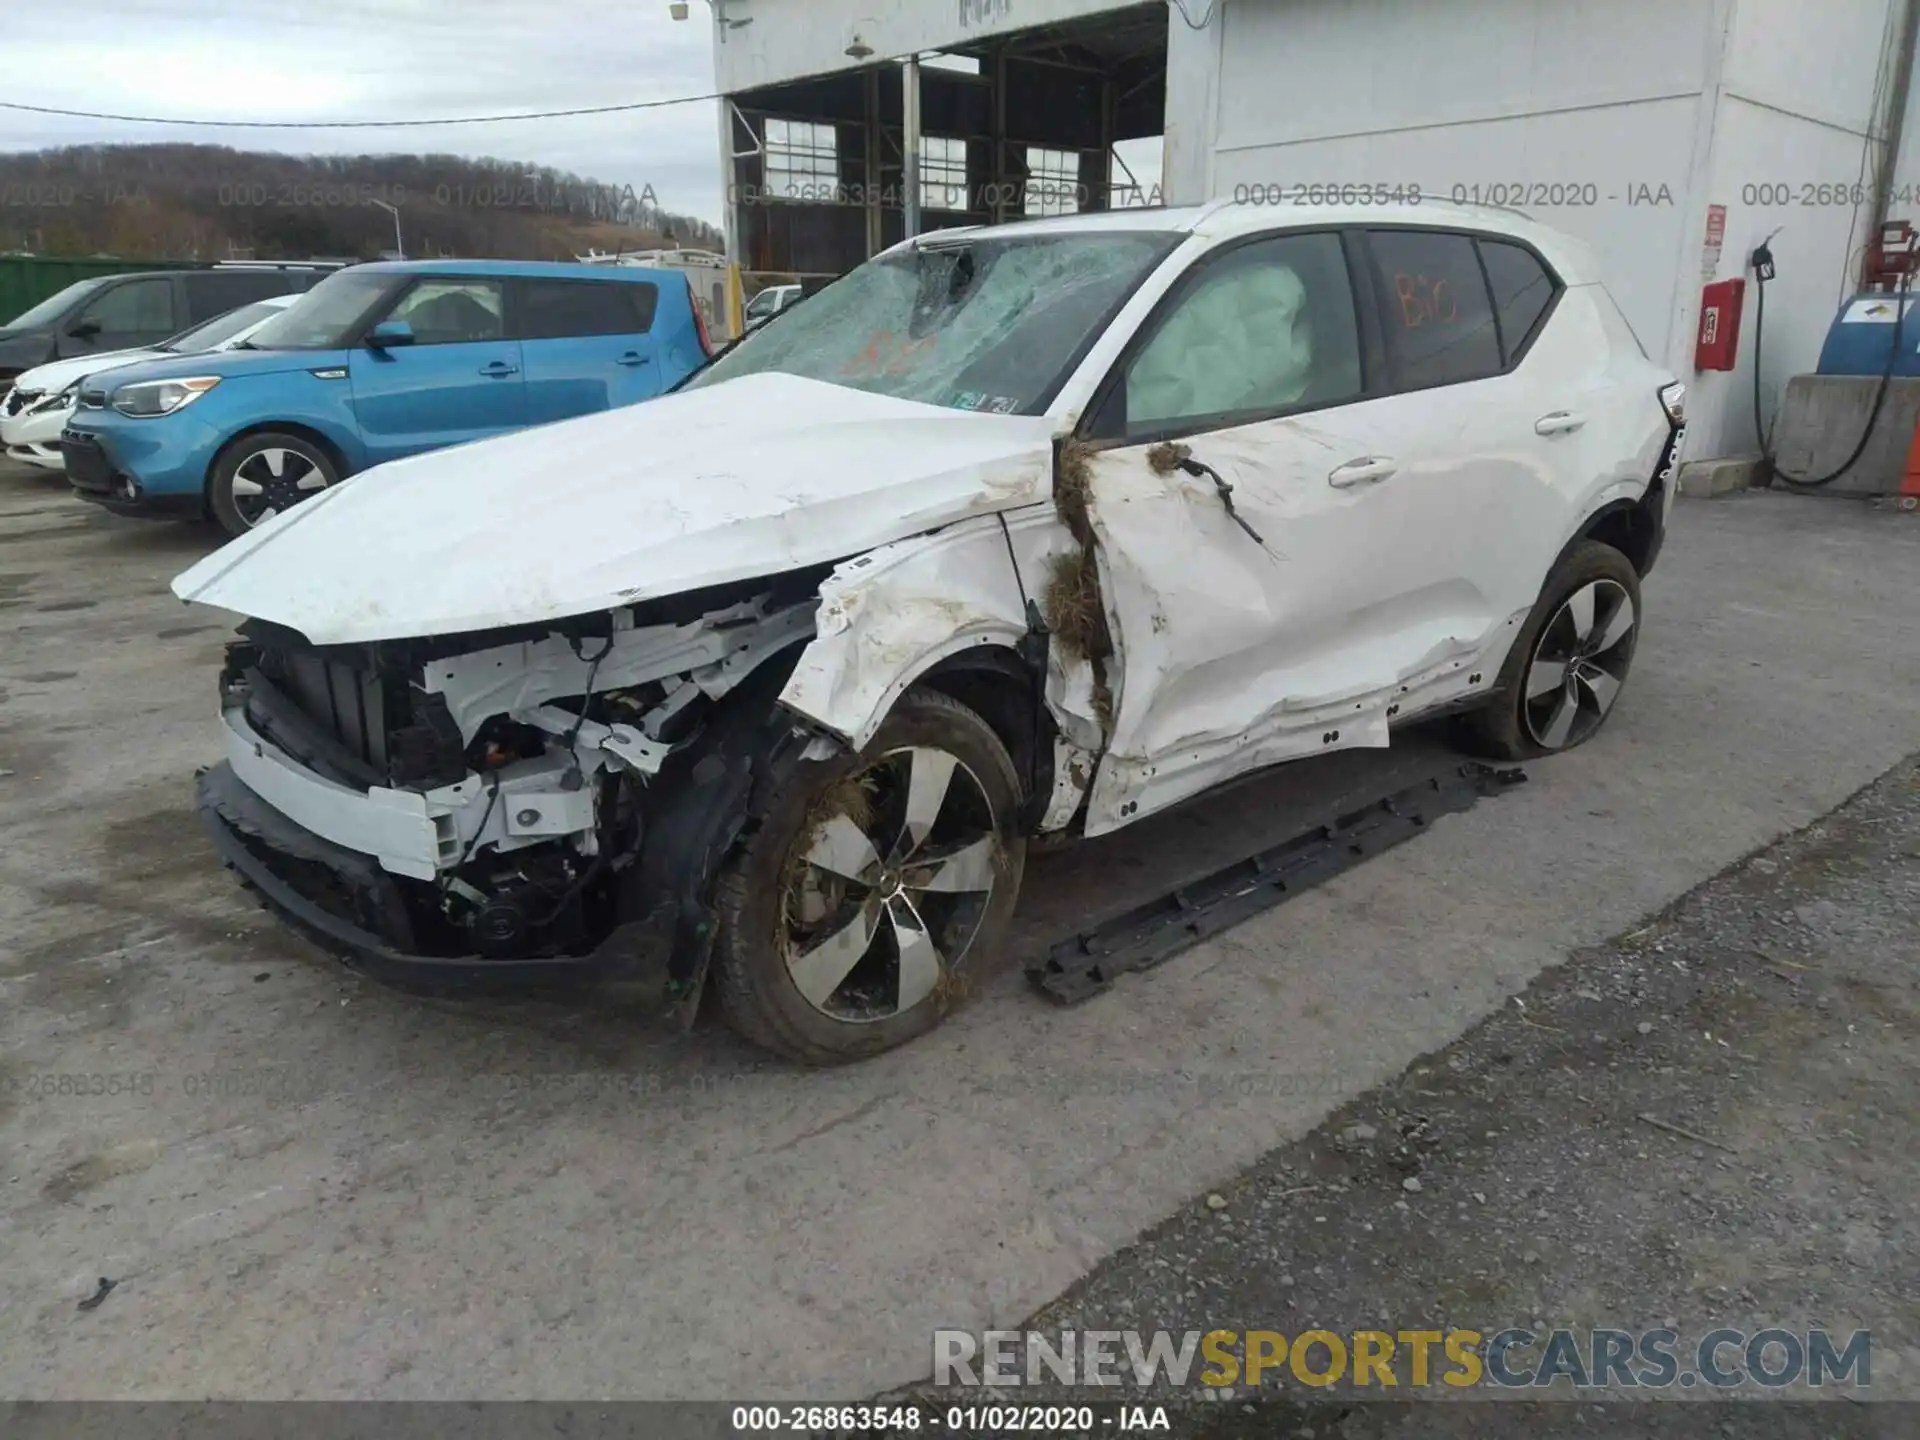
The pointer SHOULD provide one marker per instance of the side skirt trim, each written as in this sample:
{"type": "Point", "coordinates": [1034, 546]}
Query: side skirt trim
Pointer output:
{"type": "Point", "coordinates": [1087, 963]}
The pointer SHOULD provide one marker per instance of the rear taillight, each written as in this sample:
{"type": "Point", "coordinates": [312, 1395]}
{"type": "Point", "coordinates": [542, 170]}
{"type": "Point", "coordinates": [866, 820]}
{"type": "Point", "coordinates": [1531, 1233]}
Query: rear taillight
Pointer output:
{"type": "Point", "coordinates": [1673, 400]}
{"type": "Point", "coordinates": [700, 320]}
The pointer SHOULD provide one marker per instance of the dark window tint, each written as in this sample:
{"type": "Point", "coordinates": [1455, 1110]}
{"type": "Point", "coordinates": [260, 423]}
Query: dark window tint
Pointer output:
{"type": "Point", "coordinates": [1268, 327]}
{"type": "Point", "coordinates": [54, 306]}
{"type": "Point", "coordinates": [1434, 308]}
{"type": "Point", "coordinates": [1522, 290]}
{"type": "Point", "coordinates": [135, 307]}
{"type": "Point", "coordinates": [216, 293]}
{"type": "Point", "coordinates": [553, 309]}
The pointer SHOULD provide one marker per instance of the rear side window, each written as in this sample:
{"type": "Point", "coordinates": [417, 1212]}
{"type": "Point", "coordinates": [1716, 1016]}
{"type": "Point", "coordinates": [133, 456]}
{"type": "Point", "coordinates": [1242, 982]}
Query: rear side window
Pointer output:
{"type": "Point", "coordinates": [1434, 308]}
{"type": "Point", "coordinates": [556, 309]}
{"type": "Point", "coordinates": [216, 293]}
{"type": "Point", "coordinates": [1522, 290]}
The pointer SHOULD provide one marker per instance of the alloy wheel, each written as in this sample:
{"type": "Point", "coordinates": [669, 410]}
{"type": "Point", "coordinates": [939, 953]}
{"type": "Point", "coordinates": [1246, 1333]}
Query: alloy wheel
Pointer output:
{"type": "Point", "coordinates": [1579, 664]}
{"type": "Point", "coordinates": [887, 889]}
{"type": "Point", "coordinates": [273, 479]}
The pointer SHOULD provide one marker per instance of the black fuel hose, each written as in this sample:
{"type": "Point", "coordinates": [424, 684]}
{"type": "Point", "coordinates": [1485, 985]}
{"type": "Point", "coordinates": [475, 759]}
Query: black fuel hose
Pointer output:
{"type": "Point", "coordinates": [1763, 259]}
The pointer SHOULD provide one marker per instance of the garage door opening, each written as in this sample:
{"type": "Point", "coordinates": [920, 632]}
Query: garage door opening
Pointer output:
{"type": "Point", "coordinates": [1050, 121]}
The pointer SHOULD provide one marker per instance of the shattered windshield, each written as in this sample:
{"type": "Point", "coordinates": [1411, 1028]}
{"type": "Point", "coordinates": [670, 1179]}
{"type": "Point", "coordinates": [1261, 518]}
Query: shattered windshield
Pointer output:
{"type": "Point", "coordinates": [973, 324]}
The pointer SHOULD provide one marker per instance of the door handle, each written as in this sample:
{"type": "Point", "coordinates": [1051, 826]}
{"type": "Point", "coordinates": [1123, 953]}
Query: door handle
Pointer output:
{"type": "Point", "coordinates": [1560, 422]}
{"type": "Point", "coordinates": [1368, 469]}
{"type": "Point", "coordinates": [498, 369]}
{"type": "Point", "coordinates": [632, 357]}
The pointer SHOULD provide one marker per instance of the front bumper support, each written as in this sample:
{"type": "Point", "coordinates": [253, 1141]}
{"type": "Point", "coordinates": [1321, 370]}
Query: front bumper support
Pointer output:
{"type": "Point", "coordinates": [273, 855]}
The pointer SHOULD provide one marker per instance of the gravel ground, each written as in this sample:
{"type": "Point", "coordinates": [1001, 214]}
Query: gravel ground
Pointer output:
{"type": "Point", "coordinates": [1513, 1179]}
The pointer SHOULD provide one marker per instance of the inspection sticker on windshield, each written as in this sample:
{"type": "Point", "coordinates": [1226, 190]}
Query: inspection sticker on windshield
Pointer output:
{"type": "Point", "coordinates": [980, 400]}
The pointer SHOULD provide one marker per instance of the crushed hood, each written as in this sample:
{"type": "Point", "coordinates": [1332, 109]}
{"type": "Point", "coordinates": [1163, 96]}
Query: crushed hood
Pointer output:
{"type": "Point", "coordinates": [753, 477]}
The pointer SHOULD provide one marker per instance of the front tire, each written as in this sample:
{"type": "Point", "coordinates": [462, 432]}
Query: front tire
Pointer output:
{"type": "Point", "coordinates": [262, 474]}
{"type": "Point", "coordinates": [874, 888]}
{"type": "Point", "coordinates": [1570, 661]}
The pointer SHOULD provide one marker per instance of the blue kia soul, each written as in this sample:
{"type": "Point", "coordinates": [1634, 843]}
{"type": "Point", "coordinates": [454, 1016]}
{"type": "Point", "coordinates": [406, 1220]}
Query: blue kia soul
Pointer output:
{"type": "Point", "coordinates": [375, 363]}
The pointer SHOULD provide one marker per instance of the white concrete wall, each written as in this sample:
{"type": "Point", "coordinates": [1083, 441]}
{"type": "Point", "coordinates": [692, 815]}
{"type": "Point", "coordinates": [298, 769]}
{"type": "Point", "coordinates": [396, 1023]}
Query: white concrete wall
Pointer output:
{"type": "Point", "coordinates": [1461, 93]}
{"type": "Point", "coordinates": [792, 38]}
{"type": "Point", "coordinates": [1906, 163]}
{"type": "Point", "coordinates": [1795, 109]}
{"type": "Point", "coordinates": [1701, 97]}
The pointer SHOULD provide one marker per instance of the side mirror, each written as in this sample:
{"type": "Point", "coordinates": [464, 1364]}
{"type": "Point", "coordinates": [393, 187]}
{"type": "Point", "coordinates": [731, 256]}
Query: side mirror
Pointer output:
{"type": "Point", "coordinates": [84, 329]}
{"type": "Point", "coordinates": [389, 333]}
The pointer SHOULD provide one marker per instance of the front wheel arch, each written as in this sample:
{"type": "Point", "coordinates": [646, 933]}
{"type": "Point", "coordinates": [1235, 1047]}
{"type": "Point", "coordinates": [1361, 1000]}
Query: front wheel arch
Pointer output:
{"type": "Point", "coordinates": [828, 689]}
{"type": "Point", "coordinates": [315, 437]}
{"type": "Point", "coordinates": [1008, 693]}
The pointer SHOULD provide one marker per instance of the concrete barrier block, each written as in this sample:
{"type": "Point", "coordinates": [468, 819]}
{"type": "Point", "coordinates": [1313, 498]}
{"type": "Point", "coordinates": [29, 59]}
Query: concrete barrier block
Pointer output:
{"type": "Point", "coordinates": [1822, 418]}
{"type": "Point", "coordinates": [1704, 479]}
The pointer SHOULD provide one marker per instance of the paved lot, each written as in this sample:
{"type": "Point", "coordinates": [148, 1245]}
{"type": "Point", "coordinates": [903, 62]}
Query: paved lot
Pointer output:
{"type": "Point", "coordinates": [1769, 1020]}
{"type": "Point", "coordinates": [411, 1199]}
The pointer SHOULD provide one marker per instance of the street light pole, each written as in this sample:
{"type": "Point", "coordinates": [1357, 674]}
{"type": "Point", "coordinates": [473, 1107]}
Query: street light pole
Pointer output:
{"type": "Point", "coordinates": [399, 250]}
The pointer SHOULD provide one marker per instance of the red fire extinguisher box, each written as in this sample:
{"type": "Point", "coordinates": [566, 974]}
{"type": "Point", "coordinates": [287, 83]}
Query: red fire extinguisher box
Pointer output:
{"type": "Point", "coordinates": [1718, 342]}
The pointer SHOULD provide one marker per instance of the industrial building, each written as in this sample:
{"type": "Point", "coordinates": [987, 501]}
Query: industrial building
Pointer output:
{"type": "Point", "coordinates": [1675, 135]}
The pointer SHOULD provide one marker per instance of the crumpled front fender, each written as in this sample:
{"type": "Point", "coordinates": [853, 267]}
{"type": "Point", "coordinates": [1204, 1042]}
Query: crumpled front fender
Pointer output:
{"type": "Point", "coordinates": [890, 616]}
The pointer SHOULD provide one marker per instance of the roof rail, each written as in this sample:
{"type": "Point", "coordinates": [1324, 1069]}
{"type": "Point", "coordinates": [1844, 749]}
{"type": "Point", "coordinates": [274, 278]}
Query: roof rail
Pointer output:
{"type": "Point", "coordinates": [281, 264]}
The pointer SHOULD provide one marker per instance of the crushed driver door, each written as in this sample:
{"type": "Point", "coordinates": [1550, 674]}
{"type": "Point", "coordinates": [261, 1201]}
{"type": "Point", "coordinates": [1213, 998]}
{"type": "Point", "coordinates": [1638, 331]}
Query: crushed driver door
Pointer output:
{"type": "Point", "coordinates": [1292, 620]}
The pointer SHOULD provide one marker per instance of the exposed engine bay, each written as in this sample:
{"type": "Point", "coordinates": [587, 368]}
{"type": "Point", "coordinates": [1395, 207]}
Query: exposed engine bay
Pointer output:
{"type": "Point", "coordinates": [499, 782]}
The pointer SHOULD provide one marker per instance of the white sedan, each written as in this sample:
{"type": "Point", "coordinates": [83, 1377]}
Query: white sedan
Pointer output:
{"type": "Point", "coordinates": [1008, 533]}
{"type": "Point", "coordinates": [35, 411]}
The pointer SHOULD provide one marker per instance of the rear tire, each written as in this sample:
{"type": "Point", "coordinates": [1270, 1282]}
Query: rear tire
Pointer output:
{"type": "Point", "coordinates": [1570, 661]}
{"type": "Point", "coordinates": [261, 474]}
{"type": "Point", "coordinates": [874, 888]}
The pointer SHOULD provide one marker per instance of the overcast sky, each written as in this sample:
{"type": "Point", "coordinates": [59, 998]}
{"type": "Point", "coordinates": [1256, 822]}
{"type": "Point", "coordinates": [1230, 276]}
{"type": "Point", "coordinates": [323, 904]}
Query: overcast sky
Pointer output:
{"type": "Point", "coordinates": [378, 59]}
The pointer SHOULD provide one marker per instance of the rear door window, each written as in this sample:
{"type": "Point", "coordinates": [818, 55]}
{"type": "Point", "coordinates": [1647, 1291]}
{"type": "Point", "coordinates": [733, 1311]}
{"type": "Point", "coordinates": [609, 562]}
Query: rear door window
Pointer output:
{"type": "Point", "coordinates": [557, 309]}
{"type": "Point", "coordinates": [1523, 288]}
{"type": "Point", "coordinates": [1434, 309]}
{"type": "Point", "coordinates": [216, 292]}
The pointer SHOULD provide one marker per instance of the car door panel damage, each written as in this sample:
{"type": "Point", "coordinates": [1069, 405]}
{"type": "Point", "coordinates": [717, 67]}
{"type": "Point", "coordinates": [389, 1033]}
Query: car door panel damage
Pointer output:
{"type": "Point", "coordinates": [975, 546]}
{"type": "Point", "coordinates": [1233, 652]}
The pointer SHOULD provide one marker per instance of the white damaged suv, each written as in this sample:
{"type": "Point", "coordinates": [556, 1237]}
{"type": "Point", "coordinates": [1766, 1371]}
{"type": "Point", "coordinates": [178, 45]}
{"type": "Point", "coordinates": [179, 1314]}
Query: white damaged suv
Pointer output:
{"type": "Point", "coordinates": [1013, 531]}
